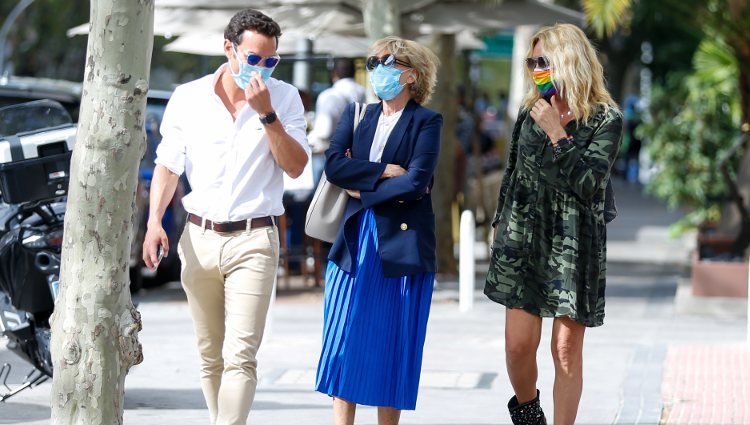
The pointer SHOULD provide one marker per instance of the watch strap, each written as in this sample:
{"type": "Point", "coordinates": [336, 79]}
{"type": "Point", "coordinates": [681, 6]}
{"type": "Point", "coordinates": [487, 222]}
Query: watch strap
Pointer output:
{"type": "Point", "coordinates": [268, 118]}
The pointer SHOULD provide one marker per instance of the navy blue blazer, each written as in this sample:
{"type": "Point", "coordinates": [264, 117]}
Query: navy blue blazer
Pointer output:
{"type": "Point", "coordinates": [402, 205]}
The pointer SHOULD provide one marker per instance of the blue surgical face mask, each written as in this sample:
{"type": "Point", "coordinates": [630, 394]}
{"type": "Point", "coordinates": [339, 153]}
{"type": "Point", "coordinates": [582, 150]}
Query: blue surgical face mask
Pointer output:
{"type": "Point", "coordinates": [242, 78]}
{"type": "Point", "coordinates": [385, 81]}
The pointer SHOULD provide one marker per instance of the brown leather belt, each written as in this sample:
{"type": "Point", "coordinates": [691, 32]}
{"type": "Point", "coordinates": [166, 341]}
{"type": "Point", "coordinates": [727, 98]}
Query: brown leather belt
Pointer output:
{"type": "Point", "coordinates": [231, 226]}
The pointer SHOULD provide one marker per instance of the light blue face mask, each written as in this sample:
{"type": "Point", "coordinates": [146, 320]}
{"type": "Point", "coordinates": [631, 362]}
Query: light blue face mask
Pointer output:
{"type": "Point", "coordinates": [385, 81]}
{"type": "Point", "coordinates": [242, 78]}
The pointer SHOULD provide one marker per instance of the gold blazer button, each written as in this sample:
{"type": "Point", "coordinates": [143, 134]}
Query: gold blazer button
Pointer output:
{"type": "Point", "coordinates": [404, 226]}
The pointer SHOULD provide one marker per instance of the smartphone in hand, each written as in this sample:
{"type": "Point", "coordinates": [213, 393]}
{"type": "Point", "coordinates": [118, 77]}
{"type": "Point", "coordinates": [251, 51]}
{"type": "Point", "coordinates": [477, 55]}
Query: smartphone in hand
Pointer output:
{"type": "Point", "coordinates": [159, 255]}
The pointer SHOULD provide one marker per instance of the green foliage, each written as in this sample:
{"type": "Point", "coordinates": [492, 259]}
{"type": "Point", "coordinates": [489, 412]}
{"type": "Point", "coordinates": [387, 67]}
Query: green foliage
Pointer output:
{"type": "Point", "coordinates": [38, 43]}
{"type": "Point", "coordinates": [695, 117]}
{"type": "Point", "coordinates": [604, 16]}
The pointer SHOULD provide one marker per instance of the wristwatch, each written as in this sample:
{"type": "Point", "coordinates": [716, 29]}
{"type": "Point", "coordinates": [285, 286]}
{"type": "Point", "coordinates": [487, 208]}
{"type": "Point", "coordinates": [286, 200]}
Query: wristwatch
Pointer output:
{"type": "Point", "coordinates": [561, 145]}
{"type": "Point", "coordinates": [268, 118]}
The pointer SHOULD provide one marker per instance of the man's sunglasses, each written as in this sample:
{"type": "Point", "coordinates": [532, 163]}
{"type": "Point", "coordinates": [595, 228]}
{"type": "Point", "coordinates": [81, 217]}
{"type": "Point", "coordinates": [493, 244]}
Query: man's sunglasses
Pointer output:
{"type": "Point", "coordinates": [385, 60]}
{"type": "Point", "coordinates": [539, 62]}
{"type": "Point", "coordinates": [258, 60]}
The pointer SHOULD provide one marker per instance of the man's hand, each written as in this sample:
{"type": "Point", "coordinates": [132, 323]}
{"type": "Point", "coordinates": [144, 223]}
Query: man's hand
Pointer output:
{"type": "Point", "coordinates": [353, 193]}
{"type": "Point", "coordinates": [155, 237]}
{"type": "Point", "coordinates": [257, 95]}
{"type": "Point", "coordinates": [392, 170]}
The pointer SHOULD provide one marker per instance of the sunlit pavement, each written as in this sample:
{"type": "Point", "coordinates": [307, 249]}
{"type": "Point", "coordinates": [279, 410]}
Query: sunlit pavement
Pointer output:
{"type": "Point", "coordinates": [653, 359]}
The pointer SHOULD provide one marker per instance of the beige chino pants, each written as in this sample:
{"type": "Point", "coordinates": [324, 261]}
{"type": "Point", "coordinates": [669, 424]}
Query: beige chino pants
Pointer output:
{"type": "Point", "coordinates": [228, 279]}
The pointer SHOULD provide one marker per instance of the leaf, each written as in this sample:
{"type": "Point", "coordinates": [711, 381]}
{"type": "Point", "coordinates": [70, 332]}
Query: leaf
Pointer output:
{"type": "Point", "coordinates": [605, 16]}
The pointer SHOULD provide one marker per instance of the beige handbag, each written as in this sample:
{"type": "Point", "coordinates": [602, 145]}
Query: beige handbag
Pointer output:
{"type": "Point", "coordinates": [329, 202]}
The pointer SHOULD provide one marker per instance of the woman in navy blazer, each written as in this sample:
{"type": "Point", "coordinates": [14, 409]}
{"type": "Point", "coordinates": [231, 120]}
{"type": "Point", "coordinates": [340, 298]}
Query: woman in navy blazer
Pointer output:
{"type": "Point", "coordinates": [382, 264]}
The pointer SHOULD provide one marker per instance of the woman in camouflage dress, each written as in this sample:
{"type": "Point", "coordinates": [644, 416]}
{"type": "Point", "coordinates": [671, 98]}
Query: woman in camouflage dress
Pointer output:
{"type": "Point", "coordinates": [549, 249]}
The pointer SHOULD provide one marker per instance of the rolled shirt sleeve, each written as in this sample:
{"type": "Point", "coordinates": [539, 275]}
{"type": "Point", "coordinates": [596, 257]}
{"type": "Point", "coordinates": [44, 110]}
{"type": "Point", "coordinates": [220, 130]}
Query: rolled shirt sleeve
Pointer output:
{"type": "Point", "coordinates": [172, 149]}
{"type": "Point", "coordinates": [292, 117]}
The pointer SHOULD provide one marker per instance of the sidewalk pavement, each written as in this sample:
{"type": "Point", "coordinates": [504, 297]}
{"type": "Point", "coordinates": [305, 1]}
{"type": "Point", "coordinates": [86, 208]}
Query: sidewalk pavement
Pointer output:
{"type": "Point", "coordinates": [650, 363]}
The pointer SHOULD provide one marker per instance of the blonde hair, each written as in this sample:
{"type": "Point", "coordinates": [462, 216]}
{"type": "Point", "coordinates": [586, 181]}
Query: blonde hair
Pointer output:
{"type": "Point", "coordinates": [419, 57]}
{"type": "Point", "coordinates": [577, 73]}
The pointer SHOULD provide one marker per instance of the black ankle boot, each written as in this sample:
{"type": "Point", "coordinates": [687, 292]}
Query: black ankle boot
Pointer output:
{"type": "Point", "coordinates": [529, 413]}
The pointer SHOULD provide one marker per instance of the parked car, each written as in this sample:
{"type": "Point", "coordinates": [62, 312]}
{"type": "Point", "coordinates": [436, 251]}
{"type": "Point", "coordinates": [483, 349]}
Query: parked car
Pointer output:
{"type": "Point", "coordinates": [15, 90]}
{"type": "Point", "coordinates": [23, 89]}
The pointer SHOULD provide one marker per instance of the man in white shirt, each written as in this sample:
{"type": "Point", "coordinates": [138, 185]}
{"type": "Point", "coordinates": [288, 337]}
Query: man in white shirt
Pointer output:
{"type": "Point", "coordinates": [330, 105]}
{"type": "Point", "coordinates": [234, 134]}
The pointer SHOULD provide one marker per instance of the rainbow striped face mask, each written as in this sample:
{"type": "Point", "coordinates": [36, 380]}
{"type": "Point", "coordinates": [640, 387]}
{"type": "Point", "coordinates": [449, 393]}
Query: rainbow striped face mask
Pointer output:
{"type": "Point", "coordinates": [543, 81]}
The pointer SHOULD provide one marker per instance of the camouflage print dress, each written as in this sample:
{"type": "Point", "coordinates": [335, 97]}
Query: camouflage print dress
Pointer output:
{"type": "Point", "coordinates": [549, 253]}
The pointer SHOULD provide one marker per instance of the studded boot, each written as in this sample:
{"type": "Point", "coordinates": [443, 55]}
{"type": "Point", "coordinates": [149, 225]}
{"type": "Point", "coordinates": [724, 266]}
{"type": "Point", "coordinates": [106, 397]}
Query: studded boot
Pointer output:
{"type": "Point", "coordinates": [529, 413]}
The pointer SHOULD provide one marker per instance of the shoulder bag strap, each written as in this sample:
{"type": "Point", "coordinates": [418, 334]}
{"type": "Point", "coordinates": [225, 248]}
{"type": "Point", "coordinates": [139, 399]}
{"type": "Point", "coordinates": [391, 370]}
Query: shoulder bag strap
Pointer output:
{"type": "Point", "coordinates": [359, 113]}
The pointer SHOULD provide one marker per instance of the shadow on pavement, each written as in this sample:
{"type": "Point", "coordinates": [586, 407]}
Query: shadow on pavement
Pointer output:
{"type": "Point", "coordinates": [191, 399]}
{"type": "Point", "coordinates": [164, 398]}
{"type": "Point", "coordinates": [21, 413]}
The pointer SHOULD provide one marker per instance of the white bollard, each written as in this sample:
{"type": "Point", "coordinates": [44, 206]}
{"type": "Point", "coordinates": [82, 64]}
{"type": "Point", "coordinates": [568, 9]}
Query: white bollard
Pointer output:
{"type": "Point", "coordinates": [466, 260]}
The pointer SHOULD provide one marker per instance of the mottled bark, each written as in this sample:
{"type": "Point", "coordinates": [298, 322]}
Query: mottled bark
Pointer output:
{"type": "Point", "coordinates": [95, 325]}
{"type": "Point", "coordinates": [443, 195]}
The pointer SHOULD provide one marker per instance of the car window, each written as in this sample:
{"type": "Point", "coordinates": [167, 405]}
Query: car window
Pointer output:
{"type": "Point", "coordinates": [32, 116]}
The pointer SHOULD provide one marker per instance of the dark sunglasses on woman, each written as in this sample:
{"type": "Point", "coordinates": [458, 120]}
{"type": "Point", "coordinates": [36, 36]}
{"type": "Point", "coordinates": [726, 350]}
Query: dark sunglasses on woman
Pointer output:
{"type": "Point", "coordinates": [385, 60]}
{"type": "Point", "coordinates": [539, 62]}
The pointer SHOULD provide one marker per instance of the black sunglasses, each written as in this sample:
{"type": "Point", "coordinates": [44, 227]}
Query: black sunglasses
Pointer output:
{"type": "Point", "coordinates": [385, 60]}
{"type": "Point", "coordinates": [538, 62]}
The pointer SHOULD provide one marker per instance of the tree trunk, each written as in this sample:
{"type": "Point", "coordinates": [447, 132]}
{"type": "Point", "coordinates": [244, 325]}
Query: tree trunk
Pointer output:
{"type": "Point", "coordinates": [95, 325]}
{"type": "Point", "coordinates": [382, 18]}
{"type": "Point", "coordinates": [444, 101]}
{"type": "Point", "coordinates": [732, 221]}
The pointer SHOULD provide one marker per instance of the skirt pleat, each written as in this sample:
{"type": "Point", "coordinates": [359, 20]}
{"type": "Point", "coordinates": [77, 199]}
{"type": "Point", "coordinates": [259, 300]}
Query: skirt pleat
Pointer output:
{"type": "Point", "coordinates": [374, 329]}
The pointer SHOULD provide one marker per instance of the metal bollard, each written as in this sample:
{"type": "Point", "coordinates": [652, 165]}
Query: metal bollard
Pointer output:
{"type": "Point", "coordinates": [466, 262]}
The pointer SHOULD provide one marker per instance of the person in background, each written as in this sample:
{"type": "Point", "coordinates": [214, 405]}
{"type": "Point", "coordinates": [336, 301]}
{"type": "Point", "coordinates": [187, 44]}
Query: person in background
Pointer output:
{"type": "Point", "coordinates": [549, 252]}
{"type": "Point", "coordinates": [632, 118]}
{"type": "Point", "coordinates": [304, 95]}
{"type": "Point", "coordinates": [330, 105]}
{"type": "Point", "coordinates": [382, 264]}
{"type": "Point", "coordinates": [234, 134]}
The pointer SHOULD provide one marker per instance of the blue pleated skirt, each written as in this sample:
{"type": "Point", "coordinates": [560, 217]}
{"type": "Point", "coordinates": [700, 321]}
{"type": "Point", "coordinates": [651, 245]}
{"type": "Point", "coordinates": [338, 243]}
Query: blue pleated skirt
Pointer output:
{"type": "Point", "coordinates": [374, 329]}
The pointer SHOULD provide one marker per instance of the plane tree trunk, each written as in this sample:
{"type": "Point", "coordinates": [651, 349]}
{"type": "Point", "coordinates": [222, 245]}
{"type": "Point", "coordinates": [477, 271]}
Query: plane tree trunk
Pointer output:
{"type": "Point", "coordinates": [95, 325]}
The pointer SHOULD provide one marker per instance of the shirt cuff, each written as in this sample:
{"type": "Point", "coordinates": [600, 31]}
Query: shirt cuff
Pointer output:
{"type": "Point", "coordinates": [562, 146]}
{"type": "Point", "coordinates": [171, 166]}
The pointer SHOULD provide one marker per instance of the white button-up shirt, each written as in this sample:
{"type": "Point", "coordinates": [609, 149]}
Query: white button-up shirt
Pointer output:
{"type": "Point", "coordinates": [229, 165]}
{"type": "Point", "coordinates": [331, 103]}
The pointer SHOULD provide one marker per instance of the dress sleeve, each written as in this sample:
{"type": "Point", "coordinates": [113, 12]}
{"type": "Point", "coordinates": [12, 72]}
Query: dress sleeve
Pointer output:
{"type": "Point", "coordinates": [510, 166]}
{"type": "Point", "coordinates": [587, 168]}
